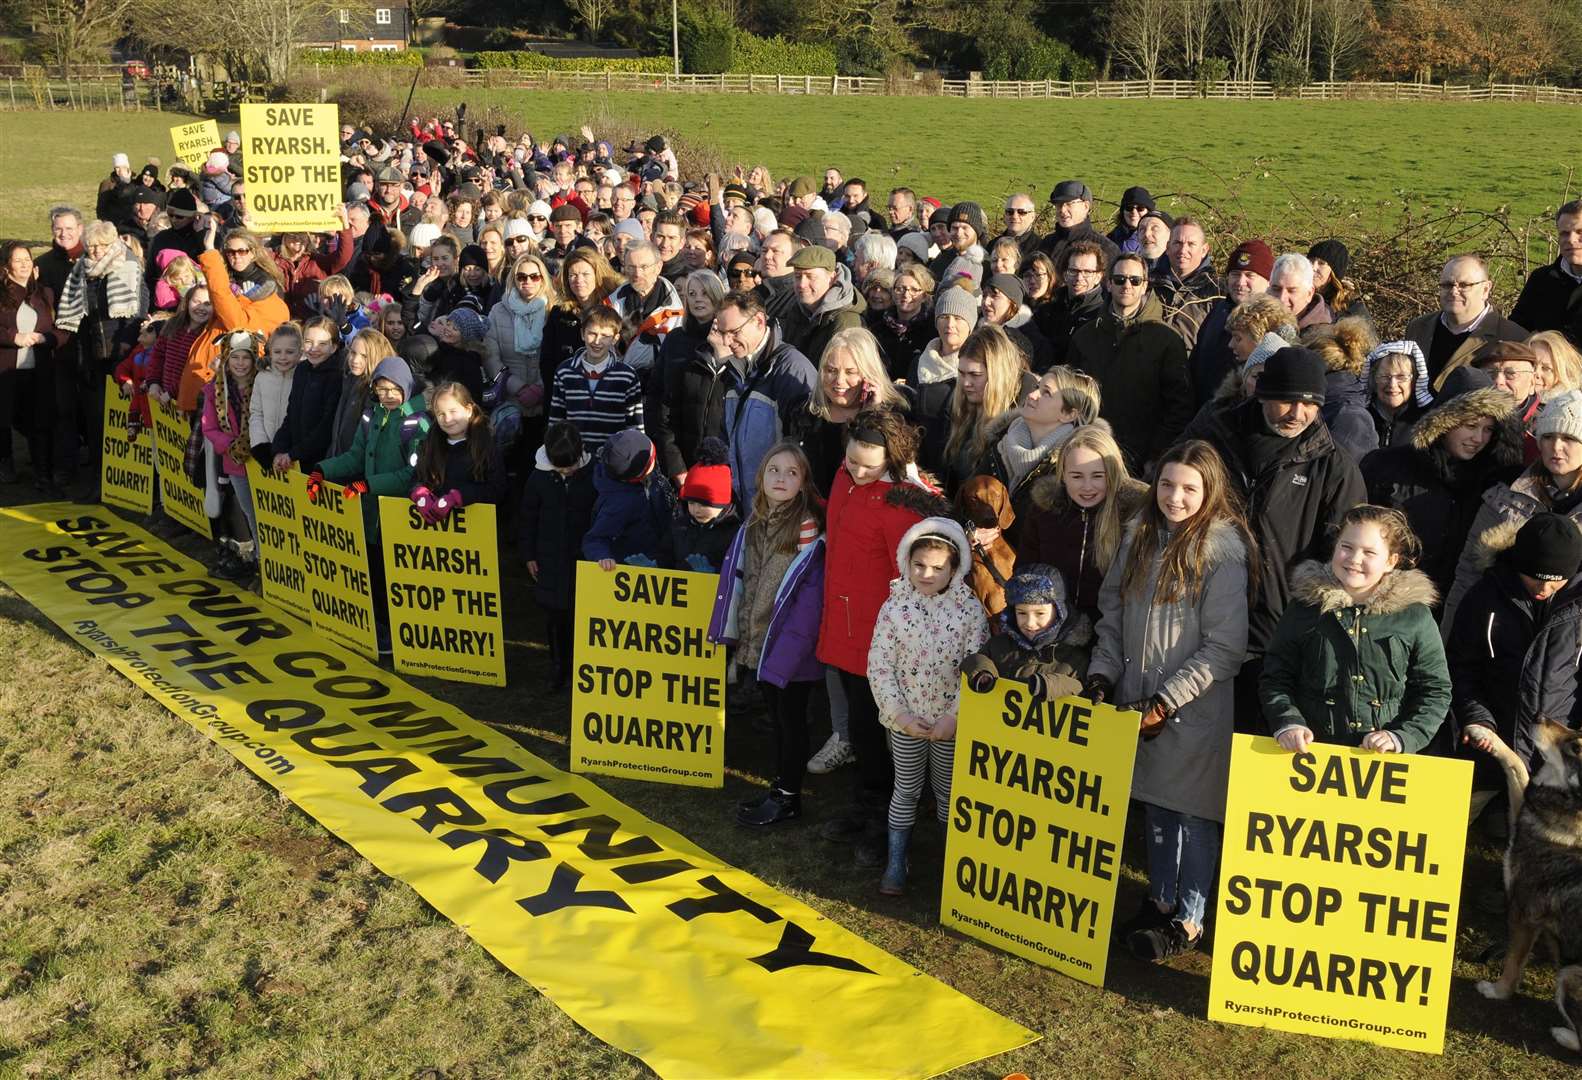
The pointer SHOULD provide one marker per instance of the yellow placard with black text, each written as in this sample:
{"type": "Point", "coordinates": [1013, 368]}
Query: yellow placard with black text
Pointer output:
{"type": "Point", "coordinates": [292, 165]}
{"type": "Point", "coordinates": [194, 141]}
{"type": "Point", "coordinates": [442, 590]}
{"type": "Point", "coordinates": [179, 496]}
{"type": "Point", "coordinates": [648, 687]}
{"type": "Point", "coordinates": [280, 567]}
{"type": "Point", "coordinates": [646, 940]}
{"type": "Point", "coordinates": [335, 557]}
{"type": "Point", "coordinates": [1038, 799]}
{"type": "Point", "coordinates": [126, 465]}
{"type": "Point", "coordinates": [1338, 892]}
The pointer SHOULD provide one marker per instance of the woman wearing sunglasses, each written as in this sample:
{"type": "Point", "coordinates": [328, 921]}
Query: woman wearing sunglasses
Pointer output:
{"type": "Point", "coordinates": [514, 382]}
{"type": "Point", "coordinates": [1140, 364]}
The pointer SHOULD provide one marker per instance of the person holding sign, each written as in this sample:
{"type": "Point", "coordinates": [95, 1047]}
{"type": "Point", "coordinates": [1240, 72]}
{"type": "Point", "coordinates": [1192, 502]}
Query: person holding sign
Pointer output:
{"type": "Point", "coordinates": [930, 622]}
{"type": "Point", "coordinates": [256, 303]}
{"type": "Point", "coordinates": [1172, 635]}
{"type": "Point", "coordinates": [1357, 658]}
{"type": "Point", "coordinates": [1043, 642]}
{"type": "Point", "coordinates": [459, 464]}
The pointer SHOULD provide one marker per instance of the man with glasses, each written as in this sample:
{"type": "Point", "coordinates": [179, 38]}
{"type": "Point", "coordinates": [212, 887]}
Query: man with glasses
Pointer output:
{"type": "Point", "coordinates": [623, 203]}
{"type": "Point", "coordinates": [1073, 203]}
{"type": "Point", "coordinates": [1020, 217]}
{"type": "Point", "coordinates": [184, 235]}
{"type": "Point", "coordinates": [901, 212]}
{"type": "Point", "coordinates": [1140, 364]}
{"type": "Point", "coordinates": [1552, 297]}
{"type": "Point", "coordinates": [767, 384]}
{"type": "Point", "coordinates": [1079, 299]}
{"type": "Point", "coordinates": [390, 202]}
{"type": "Point", "coordinates": [649, 306]}
{"type": "Point", "coordinates": [1513, 367]}
{"type": "Point", "coordinates": [1465, 319]}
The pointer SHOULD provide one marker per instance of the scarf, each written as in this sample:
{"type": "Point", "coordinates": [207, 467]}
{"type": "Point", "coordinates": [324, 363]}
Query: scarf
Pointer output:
{"type": "Point", "coordinates": [122, 289]}
{"type": "Point", "coordinates": [933, 366]}
{"type": "Point", "coordinates": [1021, 454]}
{"type": "Point", "coordinates": [527, 322]}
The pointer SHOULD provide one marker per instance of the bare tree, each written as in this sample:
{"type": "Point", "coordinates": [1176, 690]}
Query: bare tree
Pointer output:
{"type": "Point", "coordinates": [1299, 33]}
{"type": "Point", "coordinates": [731, 9]}
{"type": "Point", "coordinates": [81, 31]}
{"type": "Point", "coordinates": [1139, 32]}
{"type": "Point", "coordinates": [1247, 26]}
{"type": "Point", "coordinates": [593, 14]}
{"type": "Point", "coordinates": [256, 40]}
{"type": "Point", "coordinates": [1340, 30]}
{"type": "Point", "coordinates": [1195, 28]}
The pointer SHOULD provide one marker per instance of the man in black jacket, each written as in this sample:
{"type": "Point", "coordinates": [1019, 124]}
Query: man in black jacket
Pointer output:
{"type": "Point", "coordinates": [1295, 484]}
{"type": "Point", "coordinates": [1020, 217]}
{"type": "Point", "coordinates": [1465, 319]}
{"type": "Point", "coordinates": [1073, 203]}
{"type": "Point", "coordinates": [1552, 297]}
{"type": "Point", "coordinates": [1080, 299]}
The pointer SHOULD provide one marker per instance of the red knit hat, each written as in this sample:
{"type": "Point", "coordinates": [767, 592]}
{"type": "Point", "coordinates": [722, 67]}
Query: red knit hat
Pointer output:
{"type": "Point", "coordinates": [1251, 255]}
{"type": "Point", "coordinates": [709, 479]}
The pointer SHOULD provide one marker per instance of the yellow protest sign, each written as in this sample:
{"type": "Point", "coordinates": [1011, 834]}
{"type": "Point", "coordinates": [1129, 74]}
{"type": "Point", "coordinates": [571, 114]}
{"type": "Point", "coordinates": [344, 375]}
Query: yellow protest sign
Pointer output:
{"type": "Point", "coordinates": [280, 564]}
{"type": "Point", "coordinates": [194, 141]}
{"type": "Point", "coordinates": [647, 941]}
{"type": "Point", "coordinates": [1338, 892]}
{"type": "Point", "coordinates": [126, 467]}
{"type": "Point", "coordinates": [648, 692]}
{"type": "Point", "coordinates": [1037, 818]}
{"type": "Point", "coordinates": [442, 587]}
{"type": "Point", "coordinates": [335, 557]}
{"type": "Point", "coordinates": [292, 164]}
{"type": "Point", "coordinates": [181, 498]}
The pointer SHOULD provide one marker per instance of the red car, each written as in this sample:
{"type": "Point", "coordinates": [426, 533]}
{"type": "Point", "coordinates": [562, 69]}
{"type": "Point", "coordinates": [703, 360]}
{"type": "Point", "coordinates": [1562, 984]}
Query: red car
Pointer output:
{"type": "Point", "coordinates": [137, 69]}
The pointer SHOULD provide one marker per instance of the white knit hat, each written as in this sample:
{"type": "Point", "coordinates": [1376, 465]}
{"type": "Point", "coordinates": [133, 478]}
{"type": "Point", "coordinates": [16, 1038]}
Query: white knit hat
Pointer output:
{"type": "Point", "coordinates": [218, 162]}
{"type": "Point", "coordinates": [1561, 415]}
{"type": "Point", "coordinates": [120, 161]}
{"type": "Point", "coordinates": [539, 208]}
{"type": "Point", "coordinates": [423, 234]}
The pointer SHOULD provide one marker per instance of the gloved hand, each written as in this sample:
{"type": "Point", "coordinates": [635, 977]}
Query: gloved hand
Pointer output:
{"type": "Point", "coordinates": [640, 560]}
{"type": "Point", "coordinates": [446, 503]}
{"type": "Point", "coordinates": [315, 485]}
{"type": "Point", "coordinates": [700, 563]}
{"type": "Point", "coordinates": [981, 681]}
{"type": "Point", "coordinates": [1037, 687]}
{"type": "Point", "coordinates": [420, 495]}
{"type": "Point", "coordinates": [355, 488]}
{"type": "Point", "coordinates": [1098, 689]}
{"type": "Point", "coordinates": [529, 396]}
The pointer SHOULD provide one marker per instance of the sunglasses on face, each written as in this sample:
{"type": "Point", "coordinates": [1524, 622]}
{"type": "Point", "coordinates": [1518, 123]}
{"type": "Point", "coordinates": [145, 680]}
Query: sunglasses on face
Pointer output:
{"type": "Point", "coordinates": [531, 275]}
{"type": "Point", "coordinates": [1016, 211]}
{"type": "Point", "coordinates": [1126, 279]}
{"type": "Point", "coordinates": [744, 273]}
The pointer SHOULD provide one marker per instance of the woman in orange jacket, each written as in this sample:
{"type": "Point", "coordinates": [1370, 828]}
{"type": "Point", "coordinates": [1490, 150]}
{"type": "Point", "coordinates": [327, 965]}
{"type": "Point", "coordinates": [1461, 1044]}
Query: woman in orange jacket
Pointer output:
{"type": "Point", "coordinates": [257, 303]}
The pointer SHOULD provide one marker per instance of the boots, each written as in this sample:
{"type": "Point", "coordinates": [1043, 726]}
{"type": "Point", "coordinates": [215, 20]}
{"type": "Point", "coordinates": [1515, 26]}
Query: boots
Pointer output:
{"type": "Point", "coordinates": [893, 883]}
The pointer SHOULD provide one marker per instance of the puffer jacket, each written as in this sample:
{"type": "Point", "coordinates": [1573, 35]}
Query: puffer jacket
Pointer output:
{"type": "Point", "coordinates": [556, 512]}
{"type": "Point", "coordinates": [761, 407]}
{"type": "Point", "coordinates": [914, 660]}
{"type": "Point", "coordinates": [630, 519]}
{"type": "Point", "coordinates": [306, 432]}
{"type": "Point", "coordinates": [1513, 659]}
{"type": "Point", "coordinates": [690, 405]}
{"type": "Point", "coordinates": [1439, 495]}
{"type": "Point", "coordinates": [1346, 413]}
{"type": "Point", "coordinates": [1342, 669]}
{"type": "Point", "coordinates": [1061, 661]}
{"type": "Point", "coordinates": [384, 453]}
{"type": "Point", "coordinates": [1057, 532]}
{"type": "Point", "coordinates": [1185, 653]}
{"type": "Point", "coordinates": [522, 368]}
{"type": "Point", "coordinates": [1140, 364]}
{"type": "Point", "coordinates": [789, 652]}
{"type": "Point", "coordinates": [267, 410]}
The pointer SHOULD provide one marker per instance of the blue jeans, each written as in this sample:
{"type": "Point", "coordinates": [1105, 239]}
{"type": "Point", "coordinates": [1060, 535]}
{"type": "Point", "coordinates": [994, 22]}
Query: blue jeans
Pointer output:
{"type": "Point", "coordinates": [1183, 856]}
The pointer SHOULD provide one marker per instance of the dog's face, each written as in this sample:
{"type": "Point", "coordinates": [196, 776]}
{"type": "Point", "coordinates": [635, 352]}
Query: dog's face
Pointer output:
{"type": "Point", "coordinates": [1561, 750]}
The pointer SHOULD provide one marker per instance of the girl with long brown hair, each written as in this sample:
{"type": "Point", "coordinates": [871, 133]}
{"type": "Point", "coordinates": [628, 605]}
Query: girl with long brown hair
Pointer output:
{"type": "Point", "coordinates": [459, 461]}
{"type": "Point", "coordinates": [1172, 636]}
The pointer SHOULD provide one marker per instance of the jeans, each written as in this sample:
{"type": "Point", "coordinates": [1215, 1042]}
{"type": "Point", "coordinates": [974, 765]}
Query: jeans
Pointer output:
{"type": "Point", "coordinates": [1183, 856]}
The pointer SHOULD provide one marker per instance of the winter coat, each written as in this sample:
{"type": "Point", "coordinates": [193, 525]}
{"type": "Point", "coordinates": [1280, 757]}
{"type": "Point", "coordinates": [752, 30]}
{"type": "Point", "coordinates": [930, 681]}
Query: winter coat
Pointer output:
{"type": "Point", "coordinates": [993, 462]}
{"type": "Point", "coordinates": [1062, 663]}
{"type": "Point", "coordinates": [222, 434]}
{"type": "Point", "coordinates": [1342, 669]}
{"type": "Point", "coordinates": [1457, 349]}
{"type": "Point", "coordinates": [630, 519]}
{"type": "Point", "coordinates": [1140, 364]}
{"type": "Point", "coordinates": [266, 410]}
{"type": "Point", "coordinates": [761, 406]}
{"type": "Point", "coordinates": [1057, 532]}
{"type": "Point", "coordinates": [1037, 353]}
{"type": "Point", "coordinates": [1293, 502]}
{"type": "Point", "coordinates": [260, 313]}
{"type": "Point", "coordinates": [789, 652]}
{"type": "Point", "coordinates": [1211, 358]}
{"type": "Point", "coordinates": [308, 428]}
{"type": "Point", "coordinates": [900, 347]}
{"type": "Point", "coordinates": [690, 405]}
{"type": "Point", "coordinates": [1513, 659]}
{"type": "Point", "coordinates": [1504, 504]}
{"type": "Point", "coordinates": [356, 397]}
{"type": "Point", "coordinates": [1346, 414]}
{"type": "Point", "coordinates": [1187, 301]}
{"type": "Point", "coordinates": [458, 471]}
{"type": "Point", "coordinates": [384, 453]}
{"type": "Point", "coordinates": [555, 515]}
{"type": "Point", "coordinates": [1551, 299]}
{"type": "Point", "coordinates": [513, 340]}
{"type": "Point", "coordinates": [41, 300]}
{"type": "Point", "coordinates": [708, 541]}
{"type": "Point", "coordinates": [863, 526]}
{"type": "Point", "coordinates": [1064, 315]}
{"type": "Point", "coordinates": [135, 369]}
{"type": "Point", "coordinates": [1394, 430]}
{"type": "Point", "coordinates": [648, 320]}
{"type": "Point", "coordinates": [311, 267]}
{"type": "Point", "coordinates": [919, 642]}
{"type": "Point", "coordinates": [1054, 244]}
{"type": "Point", "coordinates": [562, 340]}
{"type": "Point", "coordinates": [841, 308]}
{"type": "Point", "coordinates": [1439, 495]}
{"type": "Point", "coordinates": [1185, 653]}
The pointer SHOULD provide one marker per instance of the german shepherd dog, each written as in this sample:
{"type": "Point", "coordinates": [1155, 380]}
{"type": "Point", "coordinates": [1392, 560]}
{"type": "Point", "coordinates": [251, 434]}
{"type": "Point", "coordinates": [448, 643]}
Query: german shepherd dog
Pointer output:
{"type": "Point", "coordinates": [1543, 864]}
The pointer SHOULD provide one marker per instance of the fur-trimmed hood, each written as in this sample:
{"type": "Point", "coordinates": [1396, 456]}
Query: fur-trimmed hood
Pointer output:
{"type": "Point", "coordinates": [1314, 584]}
{"type": "Point", "coordinates": [947, 527]}
{"type": "Point", "coordinates": [1496, 541]}
{"type": "Point", "coordinates": [1506, 446]}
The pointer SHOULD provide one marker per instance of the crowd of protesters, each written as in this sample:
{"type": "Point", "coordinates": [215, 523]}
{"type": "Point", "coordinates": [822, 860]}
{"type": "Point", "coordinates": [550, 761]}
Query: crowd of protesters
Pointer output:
{"type": "Point", "coordinates": [912, 444]}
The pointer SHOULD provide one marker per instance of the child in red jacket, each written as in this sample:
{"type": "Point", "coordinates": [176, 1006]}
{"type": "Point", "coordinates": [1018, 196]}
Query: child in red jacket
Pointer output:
{"type": "Point", "coordinates": [135, 372]}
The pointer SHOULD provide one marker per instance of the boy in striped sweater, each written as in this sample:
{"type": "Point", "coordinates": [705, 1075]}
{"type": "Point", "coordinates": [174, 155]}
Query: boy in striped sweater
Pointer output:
{"type": "Point", "coordinates": [599, 394]}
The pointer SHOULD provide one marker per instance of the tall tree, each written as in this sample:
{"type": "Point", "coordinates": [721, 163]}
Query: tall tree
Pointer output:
{"type": "Point", "coordinates": [81, 31]}
{"type": "Point", "coordinates": [1140, 33]}
{"type": "Point", "coordinates": [1341, 29]}
{"type": "Point", "coordinates": [592, 14]}
{"type": "Point", "coordinates": [256, 40]}
{"type": "Point", "coordinates": [1194, 30]}
{"type": "Point", "coordinates": [1419, 37]}
{"type": "Point", "coordinates": [1247, 26]}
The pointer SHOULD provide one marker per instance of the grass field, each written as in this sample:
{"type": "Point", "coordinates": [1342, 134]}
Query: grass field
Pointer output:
{"type": "Point", "coordinates": [164, 913]}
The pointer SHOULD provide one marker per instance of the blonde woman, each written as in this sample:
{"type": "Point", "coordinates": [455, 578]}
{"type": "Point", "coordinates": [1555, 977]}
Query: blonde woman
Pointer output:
{"type": "Point", "coordinates": [990, 384]}
{"type": "Point", "coordinates": [512, 345]}
{"type": "Point", "coordinates": [1061, 401]}
{"type": "Point", "coordinates": [851, 377]}
{"type": "Point", "coordinates": [906, 326]}
{"type": "Point", "coordinates": [1559, 364]}
{"type": "Point", "coordinates": [364, 350]}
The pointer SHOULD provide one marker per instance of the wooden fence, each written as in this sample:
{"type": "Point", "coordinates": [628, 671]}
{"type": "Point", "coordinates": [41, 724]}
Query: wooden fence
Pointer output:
{"type": "Point", "coordinates": [100, 87]}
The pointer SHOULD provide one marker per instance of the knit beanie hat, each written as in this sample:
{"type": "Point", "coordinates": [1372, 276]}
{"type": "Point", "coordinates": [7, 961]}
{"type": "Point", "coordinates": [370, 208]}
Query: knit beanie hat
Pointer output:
{"type": "Point", "coordinates": [182, 201]}
{"type": "Point", "coordinates": [958, 302]}
{"type": "Point", "coordinates": [972, 214]}
{"type": "Point", "coordinates": [629, 455]}
{"type": "Point", "coordinates": [424, 233]}
{"type": "Point", "coordinates": [1267, 346]}
{"type": "Point", "coordinates": [218, 162]}
{"type": "Point", "coordinates": [539, 208]}
{"type": "Point", "coordinates": [1038, 583]}
{"type": "Point", "coordinates": [1561, 415]}
{"type": "Point", "coordinates": [1251, 255]}
{"type": "Point", "coordinates": [1293, 374]}
{"type": "Point", "coordinates": [120, 161]}
{"type": "Point", "coordinates": [473, 255]}
{"type": "Point", "coordinates": [916, 242]}
{"type": "Point", "coordinates": [1334, 253]}
{"type": "Point", "coordinates": [709, 479]}
{"type": "Point", "coordinates": [1009, 286]}
{"type": "Point", "coordinates": [1548, 547]}
{"type": "Point", "coordinates": [468, 323]}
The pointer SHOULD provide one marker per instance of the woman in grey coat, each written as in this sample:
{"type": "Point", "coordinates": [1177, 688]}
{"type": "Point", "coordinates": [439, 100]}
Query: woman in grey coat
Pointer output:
{"type": "Point", "coordinates": [1172, 634]}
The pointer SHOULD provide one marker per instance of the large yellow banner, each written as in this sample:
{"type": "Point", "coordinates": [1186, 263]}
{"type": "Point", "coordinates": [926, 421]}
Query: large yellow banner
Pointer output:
{"type": "Point", "coordinates": [335, 557]}
{"type": "Point", "coordinates": [648, 942]}
{"type": "Point", "coordinates": [1037, 818]}
{"type": "Point", "coordinates": [292, 164]}
{"type": "Point", "coordinates": [442, 590]}
{"type": "Point", "coordinates": [181, 498]}
{"type": "Point", "coordinates": [1338, 892]}
{"type": "Point", "coordinates": [280, 563]}
{"type": "Point", "coordinates": [126, 466]}
{"type": "Point", "coordinates": [194, 141]}
{"type": "Point", "coordinates": [648, 689]}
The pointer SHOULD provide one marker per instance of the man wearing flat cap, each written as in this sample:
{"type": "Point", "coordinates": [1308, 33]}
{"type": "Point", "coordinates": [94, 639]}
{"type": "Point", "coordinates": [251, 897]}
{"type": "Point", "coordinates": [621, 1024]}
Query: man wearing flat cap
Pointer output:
{"type": "Point", "coordinates": [827, 300]}
{"type": "Point", "coordinates": [1073, 203]}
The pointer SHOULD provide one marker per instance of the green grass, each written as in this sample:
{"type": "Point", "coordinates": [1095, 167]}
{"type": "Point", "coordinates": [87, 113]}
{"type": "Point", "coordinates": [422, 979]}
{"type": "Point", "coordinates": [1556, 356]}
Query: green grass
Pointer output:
{"type": "Point", "coordinates": [162, 912]}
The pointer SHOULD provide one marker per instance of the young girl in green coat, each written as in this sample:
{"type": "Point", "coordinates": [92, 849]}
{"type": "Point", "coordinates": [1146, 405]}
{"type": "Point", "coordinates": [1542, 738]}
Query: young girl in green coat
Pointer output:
{"type": "Point", "coordinates": [1357, 658]}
